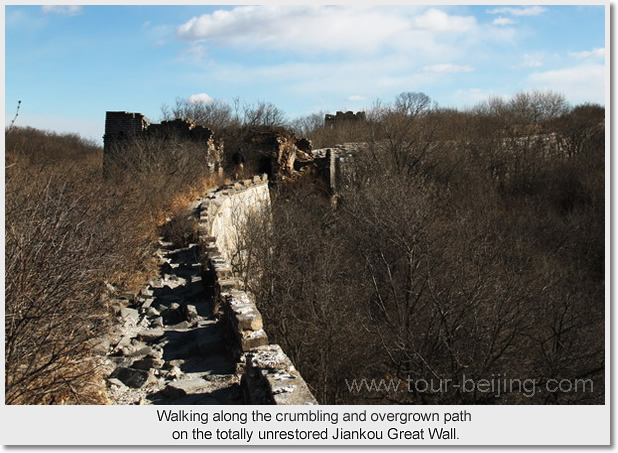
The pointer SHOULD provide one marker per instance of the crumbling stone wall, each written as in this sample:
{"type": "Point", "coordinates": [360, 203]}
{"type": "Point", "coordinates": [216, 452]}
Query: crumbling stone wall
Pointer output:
{"type": "Point", "coordinates": [122, 128]}
{"type": "Point", "coordinates": [269, 376]}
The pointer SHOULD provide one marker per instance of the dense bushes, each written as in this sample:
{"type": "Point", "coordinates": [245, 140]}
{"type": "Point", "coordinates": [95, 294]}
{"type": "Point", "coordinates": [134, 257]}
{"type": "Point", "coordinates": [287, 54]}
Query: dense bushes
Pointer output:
{"type": "Point", "coordinates": [448, 259]}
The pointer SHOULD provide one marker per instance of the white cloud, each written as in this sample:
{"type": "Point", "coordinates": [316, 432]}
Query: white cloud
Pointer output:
{"type": "Point", "coordinates": [200, 98]}
{"type": "Point", "coordinates": [447, 67]}
{"type": "Point", "coordinates": [468, 97]}
{"type": "Point", "coordinates": [69, 10]}
{"type": "Point", "coordinates": [356, 98]}
{"type": "Point", "coordinates": [195, 52]}
{"type": "Point", "coordinates": [525, 11]}
{"type": "Point", "coordinates": [585, 83]}
{"type": "Point", "coordinates": [532, 61]}
{"type": "Point", "coordinates": [504, 21]}
{"type": "Point", "coordinates": [437, 20]}
{"type": "Point", "coordinates": [317, 29]}
{"type": "Point", "coordinates": [594, 53]}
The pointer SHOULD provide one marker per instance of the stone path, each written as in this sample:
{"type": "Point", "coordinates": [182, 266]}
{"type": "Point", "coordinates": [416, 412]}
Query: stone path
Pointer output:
{"type": "Point", "coordinates": [168, 348]}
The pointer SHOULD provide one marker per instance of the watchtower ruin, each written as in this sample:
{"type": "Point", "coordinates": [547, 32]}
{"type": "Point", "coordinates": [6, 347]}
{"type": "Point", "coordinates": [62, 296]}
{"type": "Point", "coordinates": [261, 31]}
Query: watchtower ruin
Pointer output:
{"type": "Point", "coordinates": [124, 128]}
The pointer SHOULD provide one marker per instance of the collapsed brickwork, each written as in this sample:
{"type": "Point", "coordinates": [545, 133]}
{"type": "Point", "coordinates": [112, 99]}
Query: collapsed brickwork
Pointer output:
{"type": "Point", "coordinates": [285, 154]}
{"type": "Point", "coordinates": [124, 128]}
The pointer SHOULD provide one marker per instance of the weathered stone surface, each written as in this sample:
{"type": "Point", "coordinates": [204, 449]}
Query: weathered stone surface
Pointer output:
{"type": "Point", "coordinates": [115, 381]}
{"type": "Point", "coordinates": [226, 285]}
{"type": "Point", "coordinates": [147, 302]}
{"type": "Point", "coordinates": [132, 377]}
{"type": "Point", "coordinates": [152, 312]}
{"type": "Point", "coordinates": [249, 318]}
{"type": "Point", "coordinates": [207, 341]}
{"type": "Point", "coordinates": [147, 363]}
{"type": "Point", "coordinates": [252, 339]}
{"type": "Point", "coordinates": [143, 352]}
{"type": "Point", "coordinates": [243, 311]}
{"type": "Point", "coordinates": [129, 315]}
{"type": "Point", "coordinates": [150, 335]}
{"type": "Point", "coordinates": [124, 342]}
{"type": "Point", "coordinates": [269, 370]}
{"type": "Point", "coordinates": [191, 313]}
{"type": "Point", "coordinates": [188, 386]}
{"type": "Point", "coordinates": [182, 325]}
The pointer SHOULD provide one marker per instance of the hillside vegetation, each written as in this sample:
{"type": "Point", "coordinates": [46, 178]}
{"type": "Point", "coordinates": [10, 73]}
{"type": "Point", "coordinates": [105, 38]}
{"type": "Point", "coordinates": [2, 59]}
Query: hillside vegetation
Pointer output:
{"type": "Point", "coordinates": [466, 247]}
{"type": "Point", "coordinates": [461, 246]}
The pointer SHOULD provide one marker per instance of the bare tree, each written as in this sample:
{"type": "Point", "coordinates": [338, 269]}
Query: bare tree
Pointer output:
{"type": "Point", "coordinates": [412, 103]}
{"type": "Point", "coordinates": [216, 114]}
{"type": "Point", "coordinates": [262, 113]}
{"type": "Point", "coordinates": [537, 106]}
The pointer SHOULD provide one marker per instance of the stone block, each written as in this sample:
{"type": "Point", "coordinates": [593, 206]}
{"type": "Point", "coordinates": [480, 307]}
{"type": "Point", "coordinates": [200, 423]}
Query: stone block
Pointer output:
{"type": "Point", "coordinates": [145, 351]}
{"type": "Point", "coordinates": [243, 311]}
{"type": "Point", "coordinates": [129, 315]}
{"type": "Point", "coordinates": [147, 363]}
{"type": "Point", "coordinates": [190, 312]}
{"type": "Point", "coordinates": [269, 368]}
{"type": "Point", "coordinates": [250, 320]}
{"type": "Point", "coordinates": [189, 386]}
{"type": "Point", "coordinates": [208, 341]}
{"type": "Point", "coordinates": [150, 335]}
{"type": "Point", "coordinates": [225, 285]}
{"type": "Point", "coordinates": [132, 377]}
{"type": "Point", "coordinates": [250, 339]}
{"type": "Point", "coordinates": [147, 303]}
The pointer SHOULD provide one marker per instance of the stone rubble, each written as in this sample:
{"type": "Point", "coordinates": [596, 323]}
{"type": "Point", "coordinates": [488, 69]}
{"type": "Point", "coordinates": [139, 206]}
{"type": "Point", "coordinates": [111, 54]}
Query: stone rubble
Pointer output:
{"type": "Point", "coordinates": [169, 348]}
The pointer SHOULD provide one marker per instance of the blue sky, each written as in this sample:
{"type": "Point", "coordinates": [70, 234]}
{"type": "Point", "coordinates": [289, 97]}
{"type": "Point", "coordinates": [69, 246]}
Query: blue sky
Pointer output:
{"type": "Point", "coordinates": [70, 64]}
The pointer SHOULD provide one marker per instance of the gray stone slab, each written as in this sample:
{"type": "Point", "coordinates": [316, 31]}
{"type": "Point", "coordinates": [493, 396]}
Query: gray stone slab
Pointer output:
{"type": "Point", "coordinates": [188, 386]}
{"type": "Point", "coordinates": [132, 377]}
{"type": "Point", "coordinates": [150, 335]}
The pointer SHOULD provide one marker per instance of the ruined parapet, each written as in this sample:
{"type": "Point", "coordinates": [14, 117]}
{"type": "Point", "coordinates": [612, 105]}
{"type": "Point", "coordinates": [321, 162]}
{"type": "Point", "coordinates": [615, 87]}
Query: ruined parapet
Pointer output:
{"type": "Point", "coordinates": [123, 128]}
{"type": "Point", "coordinates": [222, 217]}
{"type": "Point", "coordinates": [331, 121]}
{"type": "Point", "coordinates": [269, 376]}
